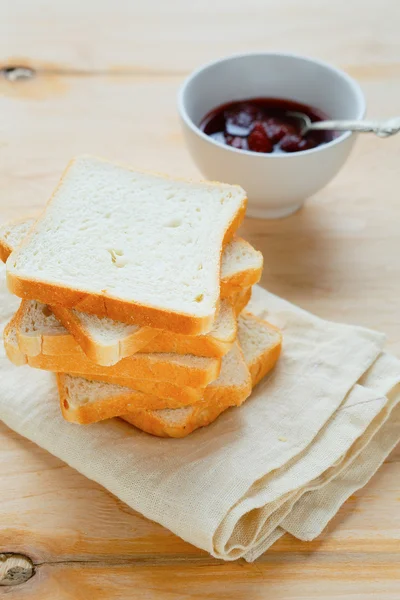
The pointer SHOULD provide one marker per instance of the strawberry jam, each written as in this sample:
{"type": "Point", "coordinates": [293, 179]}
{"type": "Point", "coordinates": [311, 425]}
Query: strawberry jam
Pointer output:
{"type": "Point", "coordinates": [263, 125]}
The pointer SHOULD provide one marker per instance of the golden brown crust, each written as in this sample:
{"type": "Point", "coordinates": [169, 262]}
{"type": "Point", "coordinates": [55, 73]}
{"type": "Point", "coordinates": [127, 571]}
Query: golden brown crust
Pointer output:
{"type": "Point", "coordinates": [197, 345]}
{"type": "Point", "coordinates": [105, 355]}
{"type": "Point", "coordinates": [107, 408]}
{"type": "Point", "coordinates": [13, 352]}
{"type": "Point", "coordinates": [138, 366]}
{"type": "Point", "coordinates": [104, 305]}
{"type": "Point", "coordinates": [200, 346]}
{"type": "Point", "coordinates": [146, 339]}
{"type": "Point", "coordinates": [234, 224]}
{"type": "Point", "coordinates": [5, 250]}
{"type": "Point", "coordinates": [243, 279]}
{"type": "Point", "coordinates": [247, 277]}
{"type": "Point", "coordinates": [240, 299]}
{"type": "Point", "coordinates": [177, 395]}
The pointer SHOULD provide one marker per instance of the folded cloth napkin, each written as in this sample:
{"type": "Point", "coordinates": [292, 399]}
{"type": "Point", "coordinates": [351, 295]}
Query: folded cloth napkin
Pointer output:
{"type": "Point", "coordinates": [314, 431]}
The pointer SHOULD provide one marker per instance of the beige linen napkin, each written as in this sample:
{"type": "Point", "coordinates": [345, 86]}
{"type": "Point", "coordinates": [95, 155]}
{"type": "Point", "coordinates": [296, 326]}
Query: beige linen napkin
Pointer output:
{"type": "Point", "coordinates": [313, 431]}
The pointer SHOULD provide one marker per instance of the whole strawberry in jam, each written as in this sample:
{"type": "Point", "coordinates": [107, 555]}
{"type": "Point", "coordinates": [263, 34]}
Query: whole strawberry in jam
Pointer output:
{"type": "Point", "coordinates": [258, 140]}
{"type": "Point", "coordinates": [264, 125]}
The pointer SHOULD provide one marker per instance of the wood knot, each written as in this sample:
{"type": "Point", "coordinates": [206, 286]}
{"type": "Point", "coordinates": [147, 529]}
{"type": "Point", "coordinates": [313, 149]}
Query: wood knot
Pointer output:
{"type": "Point", "coordinates": [15, 568]}
{"type": "Point", "coordinates": [16, 73]}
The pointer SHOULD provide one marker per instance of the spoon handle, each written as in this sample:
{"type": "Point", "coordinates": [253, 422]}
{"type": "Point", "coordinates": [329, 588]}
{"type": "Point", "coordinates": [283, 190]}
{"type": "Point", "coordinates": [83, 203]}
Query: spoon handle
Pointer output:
{"type": "Point", "coordinates": [380, 128]}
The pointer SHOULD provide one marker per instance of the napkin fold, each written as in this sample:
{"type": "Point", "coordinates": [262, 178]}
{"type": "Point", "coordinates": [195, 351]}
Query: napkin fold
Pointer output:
{"type": "Point", "coordinates": [314, 431]}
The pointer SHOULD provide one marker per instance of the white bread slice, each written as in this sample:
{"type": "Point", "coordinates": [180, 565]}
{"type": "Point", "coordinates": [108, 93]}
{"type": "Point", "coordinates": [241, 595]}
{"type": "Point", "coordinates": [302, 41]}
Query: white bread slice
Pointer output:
{"type": "Point", "coordinates": [12, 234]}
{"type": "Point", "coordinates": [39, 331]}
{"type": "Point", "coordinates": [138, 248]}
{"type": "Point", "coordinates": [185, 370]}
{"type": "Point", "coordinates": [261, 345]}
{"type": "Point", "coordinates": [84, 401]}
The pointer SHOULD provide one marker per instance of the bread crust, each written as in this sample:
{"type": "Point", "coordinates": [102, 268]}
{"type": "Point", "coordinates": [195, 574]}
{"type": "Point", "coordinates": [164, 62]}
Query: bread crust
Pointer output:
{"type": "Point", "coordinates": [107, 408]}
{"type": "Point", "coordinates": [177, 396]}
{"type": "Point", "coordinates": [138, 366]}
{"type": "Point", "coordinates": [203, 345]}
{"type": "Point", "coordinates": [5, 250]}
{"type": "Point", "coordinates": [12, 350]}
{"type": "Point", "coordinates": [240, 299]}
{"type": "Point", "coordinates": [103, 305]}
{"type": "Point", "coordinates": [104, 354]}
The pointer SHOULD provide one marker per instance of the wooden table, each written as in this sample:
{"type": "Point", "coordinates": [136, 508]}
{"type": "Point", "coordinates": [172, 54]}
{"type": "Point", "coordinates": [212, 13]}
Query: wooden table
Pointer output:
{"type": "Point", "coordinates": [107, 74]}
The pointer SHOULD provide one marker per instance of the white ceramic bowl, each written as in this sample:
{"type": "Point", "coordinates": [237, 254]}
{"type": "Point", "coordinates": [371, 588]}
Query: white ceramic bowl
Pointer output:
{"type": "Point", "coordinates": [276, 184]}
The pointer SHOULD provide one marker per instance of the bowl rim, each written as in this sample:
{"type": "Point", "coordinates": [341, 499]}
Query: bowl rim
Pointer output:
{"type": "Point", "coordinates": [288, 155]}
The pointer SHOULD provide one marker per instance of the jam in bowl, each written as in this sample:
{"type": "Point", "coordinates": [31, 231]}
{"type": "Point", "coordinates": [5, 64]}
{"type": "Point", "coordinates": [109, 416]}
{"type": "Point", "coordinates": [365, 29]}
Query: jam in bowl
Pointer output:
{"type": "Point", "coordinates": [276, 168]}
{"type": "Point", "coordinates": [264, 125]}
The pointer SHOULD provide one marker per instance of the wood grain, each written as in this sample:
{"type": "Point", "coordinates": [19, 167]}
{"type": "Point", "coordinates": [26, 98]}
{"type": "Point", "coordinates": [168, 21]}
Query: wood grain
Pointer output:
{"type": "Point", "coordinates": [289, 576]}
{"type": "Point", "coordinates": [106, 84]}
{"type": "Point", "coordinates": [160, 38]}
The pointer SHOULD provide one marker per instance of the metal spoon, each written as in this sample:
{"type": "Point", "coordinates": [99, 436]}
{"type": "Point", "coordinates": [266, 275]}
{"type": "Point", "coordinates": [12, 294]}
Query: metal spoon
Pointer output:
{"type": "Point", "coordinates": [380, 128]}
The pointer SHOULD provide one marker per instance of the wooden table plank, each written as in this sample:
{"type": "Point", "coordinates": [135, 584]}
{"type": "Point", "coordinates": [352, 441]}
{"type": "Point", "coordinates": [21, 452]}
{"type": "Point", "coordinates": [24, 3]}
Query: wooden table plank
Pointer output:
{"type": "Point", "coordinates": [176, 36]}
{"type": "Point", "coordinates": [289, 577]}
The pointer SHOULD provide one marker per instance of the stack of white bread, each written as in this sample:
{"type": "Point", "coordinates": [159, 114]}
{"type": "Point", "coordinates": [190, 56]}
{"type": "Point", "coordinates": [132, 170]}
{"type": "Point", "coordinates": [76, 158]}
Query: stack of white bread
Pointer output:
{"type": "Point", "coordinates": [133, 287]}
